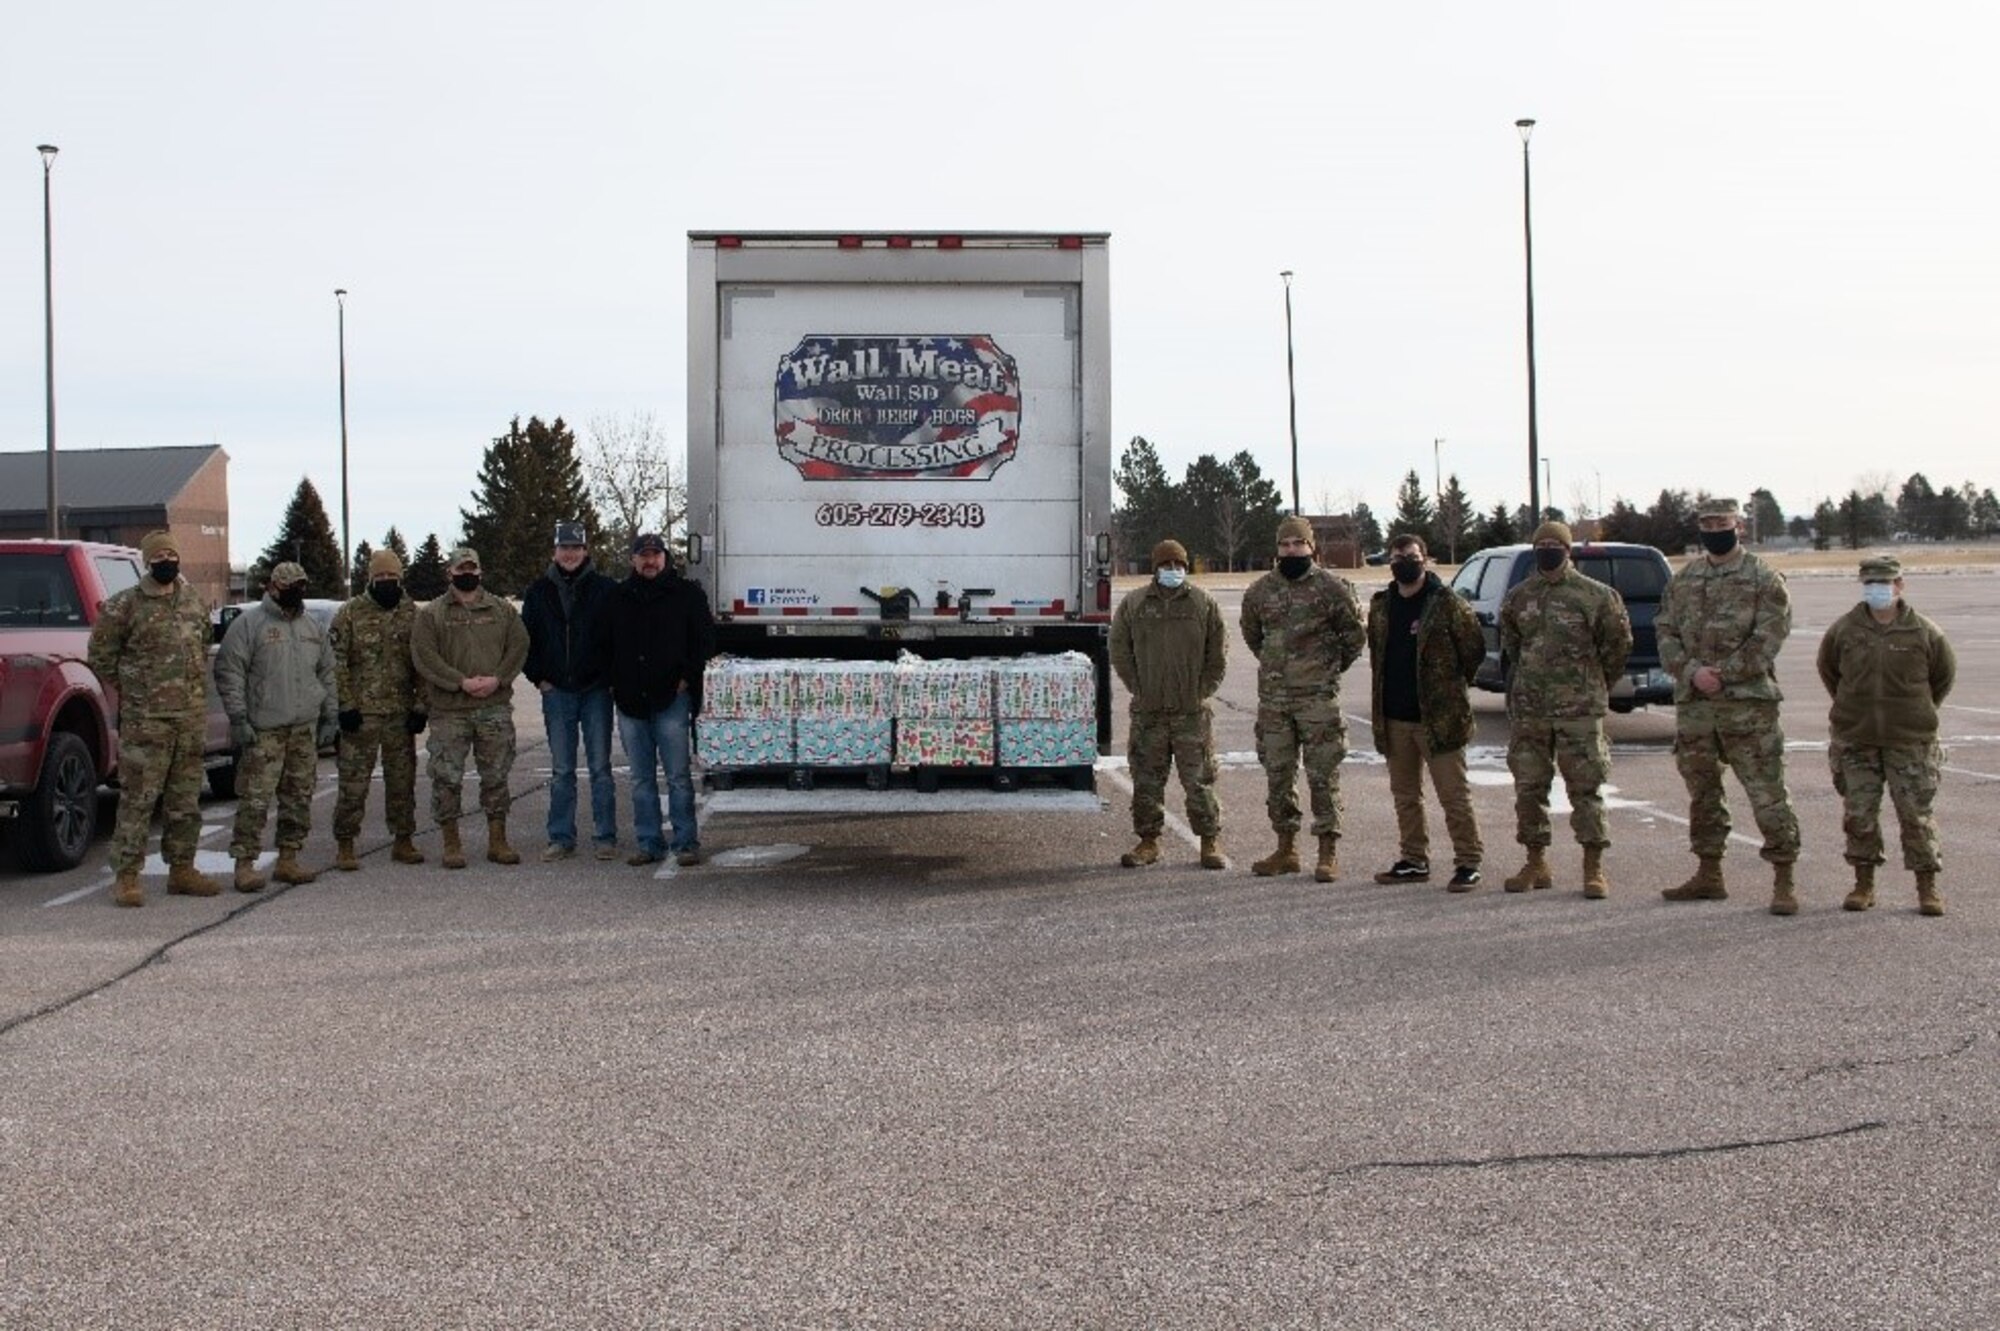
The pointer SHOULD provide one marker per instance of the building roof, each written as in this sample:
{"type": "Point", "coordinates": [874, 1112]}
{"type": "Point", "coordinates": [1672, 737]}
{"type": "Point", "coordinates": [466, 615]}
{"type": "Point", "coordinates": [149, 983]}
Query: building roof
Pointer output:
{"type": "Point", "coordinates": [100, 478]}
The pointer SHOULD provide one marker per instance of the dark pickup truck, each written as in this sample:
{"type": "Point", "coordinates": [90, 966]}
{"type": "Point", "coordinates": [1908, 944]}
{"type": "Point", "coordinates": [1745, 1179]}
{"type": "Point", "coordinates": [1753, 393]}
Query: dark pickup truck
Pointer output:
{"type": "Point", "coordinates": [58, 721]}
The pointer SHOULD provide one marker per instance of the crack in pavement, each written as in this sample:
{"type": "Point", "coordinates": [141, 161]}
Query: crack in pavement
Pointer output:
{"type": "Point", "coordinates": [1858, 1064]}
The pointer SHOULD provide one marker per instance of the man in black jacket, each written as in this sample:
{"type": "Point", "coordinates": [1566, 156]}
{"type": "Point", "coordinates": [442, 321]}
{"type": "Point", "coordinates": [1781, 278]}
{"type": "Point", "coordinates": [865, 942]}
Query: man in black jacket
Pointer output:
{"type": "Point", "coordinates": [655, 639]}
{"type": "Point", "coordinates": [560, 610]}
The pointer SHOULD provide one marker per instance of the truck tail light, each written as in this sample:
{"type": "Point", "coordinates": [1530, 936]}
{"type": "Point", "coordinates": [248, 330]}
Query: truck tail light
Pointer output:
{"type": "Point", "coordinates": [1070, 243]}
{"type": "Point", "coordinates": [951, 242]}
{"type": "Point", "coordinates": [850, 242]}
{"type": "Point", "coordinates": [729, 242]}
{"type": "Point", "coordinates": [899, 242]}
{"type": "Point", "coordinates": [1103, 594]}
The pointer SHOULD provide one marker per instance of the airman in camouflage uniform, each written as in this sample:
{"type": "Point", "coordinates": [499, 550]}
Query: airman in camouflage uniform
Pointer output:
{"type": "Point", "coordinates": [1887, 669]}
{"type": "Point", "coordinates": [469, 646]}
{"type": "Point", "coordinates": [1566, 638]}
{"type": "Point", "coordinates": [378, 710]}
{"type": "Point", "coordinates": [275, 675]}
{"type": "Point", "coordinates": [1169, 648]}
{"type": "Point", "coordinates": [1722, 620]}
{"type": "Point", "coordinates": [150, 643]}
{"type": "Point", "coordinates": [1303, 624]}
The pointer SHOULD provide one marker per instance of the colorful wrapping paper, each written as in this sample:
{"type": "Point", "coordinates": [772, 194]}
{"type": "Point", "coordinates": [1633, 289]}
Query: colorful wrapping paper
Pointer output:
{"type": "Point", "coordinates": [939, 690]}
{"type": "Point", "coordinates": [735, 686]}
{"type": "Point", "coordinates": [855, 689]}
{"type": "Point", "coordinates": [1038, 742]}
{"type": "Point", "coordinates": [844, 741]}
{"type": "Point", "coordinates": [929, 742]}
{"type": "Point", "coordinates": [1060, 687]}
{"type": "Point", "coordinates": [743, 741]}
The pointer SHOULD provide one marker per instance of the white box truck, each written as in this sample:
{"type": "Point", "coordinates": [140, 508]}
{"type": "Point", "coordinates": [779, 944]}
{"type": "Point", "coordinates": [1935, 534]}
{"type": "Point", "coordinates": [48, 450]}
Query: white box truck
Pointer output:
{"type": "Point", "coordinates": [902, 442]}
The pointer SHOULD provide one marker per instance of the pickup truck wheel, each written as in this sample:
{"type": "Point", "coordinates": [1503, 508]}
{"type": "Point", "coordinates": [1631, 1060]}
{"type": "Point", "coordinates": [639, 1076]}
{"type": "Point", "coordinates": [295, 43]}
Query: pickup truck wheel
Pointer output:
{"type": "Point", "coordinates": [61, 817]}
{"type": "Point", "coordinates": [222, 779]}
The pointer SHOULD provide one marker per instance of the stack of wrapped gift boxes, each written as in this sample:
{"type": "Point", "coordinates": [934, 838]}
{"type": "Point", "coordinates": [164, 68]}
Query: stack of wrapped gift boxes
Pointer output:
{"type": "Point", "coordinates": [1047, 711]}
{"type": "Point", "coordinates": [746, 713]}
{"type": "Point", "coordinates": [845, 712]}
{"type": "Point", "coordinates": [944, 713]}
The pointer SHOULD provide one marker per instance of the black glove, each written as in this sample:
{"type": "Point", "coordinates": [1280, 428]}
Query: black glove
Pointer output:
{"type": "Point", "coordinates": [415, 722]}
{"type": "Point", "coordinates": [350, 719]}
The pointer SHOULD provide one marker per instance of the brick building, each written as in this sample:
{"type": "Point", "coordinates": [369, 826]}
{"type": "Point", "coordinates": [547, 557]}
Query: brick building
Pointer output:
{"type": "Point", "coordinates": [119, 494]}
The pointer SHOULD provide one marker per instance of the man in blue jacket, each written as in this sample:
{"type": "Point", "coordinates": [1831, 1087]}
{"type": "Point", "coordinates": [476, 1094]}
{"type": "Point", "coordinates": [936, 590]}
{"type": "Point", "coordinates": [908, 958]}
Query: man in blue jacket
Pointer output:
{"type": "Point", "coordinates": [560, 610]}
{"type": "Point", "coordinates": [655, 638]}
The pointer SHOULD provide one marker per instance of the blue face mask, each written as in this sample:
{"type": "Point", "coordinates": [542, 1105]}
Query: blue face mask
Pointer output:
{"type": "Point", "coordinates": [1878, 595]}
{"type": "Point", "coordinates": [1171, 578]}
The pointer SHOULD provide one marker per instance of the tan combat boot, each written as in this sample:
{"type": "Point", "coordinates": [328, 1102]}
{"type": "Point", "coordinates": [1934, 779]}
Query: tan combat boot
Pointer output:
{"type": "Point", "coordinates": [1146, 852]}
{"type": "Point", "coordinates": [454, 853]}
{"type": "Point", "coordinates": [1328, 867]}
{"type": "Point", "coordinates": [187, 881]}
{"type": "Point", "coordinates": [1784, 901]}
{"type": "Point", "coordinates": [1863, 895]}
{"type": "Point", "coordinates": [497, 849]}
{"type": "Point", "coordinates": [1211, 853]}
{"type": "Point", "coordinates": [1705, 885]}
{"type": "Point", "coordinates": [1285, 859]}
{"type": "Point", "coordinates": [247, 877]}
{"type": "Point", "coordinates": [343, 855]}
{"type": "Point", "coordinates": [1535, 873]}
{"type": "Point", "coordinates": [125, 889]}
{"type": "Point", "coordinates": [1596, 887]}
{"type": "Point", "coordinates": [289, 870]}
{"type": "Point", "coordinates": [405, 850]}
{"type": "Point", "coordinates": [1929, 900]}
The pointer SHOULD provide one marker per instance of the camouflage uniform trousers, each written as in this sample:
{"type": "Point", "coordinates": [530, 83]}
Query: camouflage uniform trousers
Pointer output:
{"type": "Point", "coordinates": [283, 763]}
{"type": "Point", "coordinates": [1316, 732]}
{"type": "Point", "coordinates": [389, 737]}
{"type": "Point", "coordinates": [1747, 737]}
{"type": "Point", "coordinates": [1574, 746]}
{"type": "Point", "coordinates": [159, 762]}
{"type": "Point", "coordinates": [1160, 740]}
{"type": "Point", "coordinates": [1910, 771]}
{"type": "Point", "coordinates": [488, 734]}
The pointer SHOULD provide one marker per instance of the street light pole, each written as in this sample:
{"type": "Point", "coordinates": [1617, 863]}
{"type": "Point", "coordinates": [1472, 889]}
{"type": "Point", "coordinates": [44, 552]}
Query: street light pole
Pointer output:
{"type": "Point", "coordinates": [1292, 391]}
{"type": "Point", "coordinates": [1527, 127]}
{"type": "Point", "coordinates": [1548, 489]}
{"type": "Point", "coordinates": [48, 152]}
{"type": "Point", "coordinates": [346, 571]}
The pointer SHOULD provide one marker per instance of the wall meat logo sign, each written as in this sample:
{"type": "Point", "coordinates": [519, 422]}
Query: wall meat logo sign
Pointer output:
{"type": "Point", "coordinates": [890, 408]}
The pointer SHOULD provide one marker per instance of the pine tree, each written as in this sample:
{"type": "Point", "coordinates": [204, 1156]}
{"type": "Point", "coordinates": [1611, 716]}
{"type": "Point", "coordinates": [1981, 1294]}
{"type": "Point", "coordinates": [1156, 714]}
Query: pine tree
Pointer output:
{"type": "Point", "coordinates": [530, 479]}
{"type": "Point", "coordinates": [393, 540]}
{"type": "Point", "coordinates": [1367, 529]}
{"type": "Point", "coordinates": [305, 538]}
{"type": "Point", "coordinates": [1150, 511]}
{"type": "Point", "coordinates": [1414, 512]}
{"type": "Point", "coordinates": [1499, 528]}
{"type": "Point", "coordinates": [1455, 520]}
{"type": "Point", "coordinates": [357, 581]}
{"type": "Point", "coordinates": [425, 577]}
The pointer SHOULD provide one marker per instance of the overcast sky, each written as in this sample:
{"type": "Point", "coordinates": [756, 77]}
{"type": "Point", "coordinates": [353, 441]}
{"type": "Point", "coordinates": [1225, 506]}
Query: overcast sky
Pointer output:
{"type": "Point", "coordinates": [1765, 233]}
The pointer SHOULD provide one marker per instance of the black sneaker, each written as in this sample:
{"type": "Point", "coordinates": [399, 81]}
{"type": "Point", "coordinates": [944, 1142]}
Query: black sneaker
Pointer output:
{"type": "Point", "coordinates": [1405, 871]}
{"type": "Point", "coordinates": [1464, 878]}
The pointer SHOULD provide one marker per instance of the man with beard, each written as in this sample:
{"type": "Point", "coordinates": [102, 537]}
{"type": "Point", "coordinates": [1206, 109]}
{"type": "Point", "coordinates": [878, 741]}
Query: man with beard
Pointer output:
{"type": "Point", "coordinates": [560, 611]}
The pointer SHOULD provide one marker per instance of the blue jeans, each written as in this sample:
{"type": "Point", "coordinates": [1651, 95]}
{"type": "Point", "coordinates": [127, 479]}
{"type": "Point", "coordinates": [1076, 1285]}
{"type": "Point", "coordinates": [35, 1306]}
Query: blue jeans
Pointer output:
{"type": "Point", "coordinates": [650, 743]}
{"type": "Point", "coordinates": [563, 714]}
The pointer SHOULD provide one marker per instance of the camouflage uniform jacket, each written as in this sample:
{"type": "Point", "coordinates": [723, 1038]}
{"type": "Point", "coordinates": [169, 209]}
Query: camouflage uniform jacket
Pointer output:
{"type": "Point", "coordinates": [1169, 647]}
{"type": "Point", "coordinates": [1567, 638]}
{"type": "Point", "coordinates": [1886, 679]}
{"type": "Point", "coordinates": [1449, 650]}
{"type": "Point", "coordinates": [151, 644]}
{"type": "Point", "coordinates": [450, 643]}
{"type": "Point", "coordinates": [371, 657]}
{"type": "Point", "coordinates": [276, 669]}
{"type": "Point", "coordinates": [1734, 617]}
{"type": "Point", "coordinates": [1305, 633]}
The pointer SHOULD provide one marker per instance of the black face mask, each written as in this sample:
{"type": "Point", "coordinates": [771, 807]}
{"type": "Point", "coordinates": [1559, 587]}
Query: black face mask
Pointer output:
{"type": "Point", "coordinates": [465, 582]}
{"type": "Point", "coordinates": [1294, 566]}
{"type": "Point", "coordinates": [291, 598]}
{"type": "Point", "coordinates": [1550, 558]}
{"type": "Point", "coordinates": [1719, 542]}
{"type": "Point", "coordinates": [1407, 571]}
{"type": "Point", "coordinates": [385, 594]}
{"type": "Point", "coordinates": [166, 571]}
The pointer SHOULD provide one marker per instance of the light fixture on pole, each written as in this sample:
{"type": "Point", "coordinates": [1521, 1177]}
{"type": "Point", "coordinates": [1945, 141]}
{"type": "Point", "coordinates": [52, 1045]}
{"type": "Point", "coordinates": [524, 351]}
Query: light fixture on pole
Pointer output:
{"type": "Point", "coordinates": [1292, 391]}
{"type": "Point", "coordinates": [1527, 127]}
{"type": "Point", "coordinates": [346, 569]}
{"type": "Point", "coordinates": [48, 152]}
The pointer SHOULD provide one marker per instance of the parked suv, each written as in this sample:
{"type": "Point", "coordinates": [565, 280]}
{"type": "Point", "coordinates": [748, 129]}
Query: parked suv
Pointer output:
{"type": "Point", "coordinates": [1638, 573]}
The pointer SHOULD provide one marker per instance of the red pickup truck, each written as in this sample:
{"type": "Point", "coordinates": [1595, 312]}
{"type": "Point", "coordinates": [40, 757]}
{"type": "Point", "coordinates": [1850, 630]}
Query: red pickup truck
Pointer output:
{"type": "Point", "coordinates": [58, 721]}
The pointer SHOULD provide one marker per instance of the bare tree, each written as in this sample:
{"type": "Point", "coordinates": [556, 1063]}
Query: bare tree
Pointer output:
{"type": "Point", "coordinates": [636, 480]}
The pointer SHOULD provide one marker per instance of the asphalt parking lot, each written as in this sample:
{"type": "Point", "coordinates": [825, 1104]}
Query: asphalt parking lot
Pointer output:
{"type": "Point", "coordinates": [960, 1069]}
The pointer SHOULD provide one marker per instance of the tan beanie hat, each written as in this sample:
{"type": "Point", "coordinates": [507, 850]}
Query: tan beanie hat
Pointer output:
{"type": "Point", "coordinates": [384, 561]}
{"type": "Point", "coordinates": [1170, 551]}
{"type": "Point", "coordinates": [156, 543]}
{"type": "Point", "coordinates": [1296, 528]}
{"type": "Point", "coordinates": [1553, 531]}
